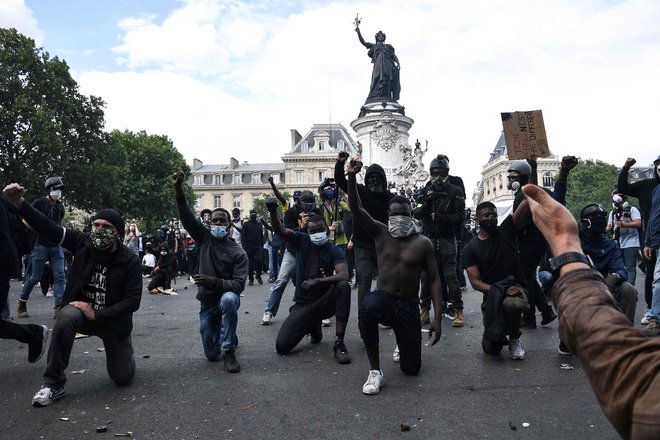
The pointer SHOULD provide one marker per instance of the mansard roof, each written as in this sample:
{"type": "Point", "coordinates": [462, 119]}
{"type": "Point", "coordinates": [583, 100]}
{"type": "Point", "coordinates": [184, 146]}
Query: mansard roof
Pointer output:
{"type": "Point", "coordinates": [335, 133]}
{"type": "Point", "coordinates": [499, 150]}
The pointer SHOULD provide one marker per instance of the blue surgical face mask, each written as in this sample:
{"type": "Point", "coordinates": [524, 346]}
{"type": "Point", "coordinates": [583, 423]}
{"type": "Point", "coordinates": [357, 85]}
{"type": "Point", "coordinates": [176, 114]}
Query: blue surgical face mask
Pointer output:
{"type": "Point", "coordinates": [319, 239]}
{"type": "Point", "coordinates": [219, 231]}
{"type": "Point", "coordinates": [329, 193]}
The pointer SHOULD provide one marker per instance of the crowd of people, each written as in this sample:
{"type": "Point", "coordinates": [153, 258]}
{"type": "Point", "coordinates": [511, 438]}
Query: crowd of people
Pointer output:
{"type": "Point", "coordinates": [344, 235]}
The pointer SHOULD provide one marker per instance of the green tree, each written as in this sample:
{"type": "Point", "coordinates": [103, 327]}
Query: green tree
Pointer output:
{"type": "Point", "coordinates": [259, 205]}
{"type": "Point", "coordinates": [592, 181]}
{"type": "Point", "coordinates": [144, 188]}
{"type": "Point", "coordinates": [46, 126]}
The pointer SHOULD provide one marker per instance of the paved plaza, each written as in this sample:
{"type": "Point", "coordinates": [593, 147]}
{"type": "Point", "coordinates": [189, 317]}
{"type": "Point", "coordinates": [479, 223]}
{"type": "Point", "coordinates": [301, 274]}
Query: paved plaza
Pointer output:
{"type": "Point", "coordinates": [460, 392]}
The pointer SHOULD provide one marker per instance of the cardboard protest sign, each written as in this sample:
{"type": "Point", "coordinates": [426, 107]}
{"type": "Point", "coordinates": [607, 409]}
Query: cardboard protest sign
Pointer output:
{"type": "Point", "coordinates": [524, 133]}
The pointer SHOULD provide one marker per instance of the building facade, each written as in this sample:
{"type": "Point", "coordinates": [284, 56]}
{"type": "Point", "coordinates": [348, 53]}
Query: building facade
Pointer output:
{"type": "Point", "coordinates": [310, 159]}
{"type": "Point", "coordinates": [493, 184]}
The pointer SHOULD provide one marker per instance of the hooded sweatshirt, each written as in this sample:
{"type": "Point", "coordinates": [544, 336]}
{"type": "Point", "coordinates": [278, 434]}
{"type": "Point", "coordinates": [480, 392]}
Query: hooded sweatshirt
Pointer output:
{"type": "Point", "coordinates": [376, 204]}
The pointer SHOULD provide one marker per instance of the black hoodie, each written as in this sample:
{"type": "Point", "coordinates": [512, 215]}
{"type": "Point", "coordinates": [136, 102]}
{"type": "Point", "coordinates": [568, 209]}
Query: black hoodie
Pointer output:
{"type": "Point", "coordinates": [376, 204]}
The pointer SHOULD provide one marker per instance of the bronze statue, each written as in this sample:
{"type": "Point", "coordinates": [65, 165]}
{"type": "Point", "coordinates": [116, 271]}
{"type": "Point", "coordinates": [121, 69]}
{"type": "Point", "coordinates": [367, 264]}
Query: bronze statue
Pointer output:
{"type": "Point", "coordinates": [385, 75]}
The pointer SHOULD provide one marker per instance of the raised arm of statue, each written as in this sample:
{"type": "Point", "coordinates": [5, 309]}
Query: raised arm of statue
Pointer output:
{"type": "Point", "coordinates": [364, 43]}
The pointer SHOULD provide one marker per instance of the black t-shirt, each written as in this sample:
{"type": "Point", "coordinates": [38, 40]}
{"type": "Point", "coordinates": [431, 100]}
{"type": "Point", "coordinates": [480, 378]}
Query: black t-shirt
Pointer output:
{"type": "Point", "coordinates": [496, 257]}
{"type": "Point", "coordinates": [94, 292]}
{"type": "Point", "coordinates": [54, 211]}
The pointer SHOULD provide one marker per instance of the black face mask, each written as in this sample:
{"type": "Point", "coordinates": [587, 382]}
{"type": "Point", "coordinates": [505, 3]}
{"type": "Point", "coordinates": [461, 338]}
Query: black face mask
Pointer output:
{"type": "Point", "coordinates": [375, 184]}
{"type": "Point", "coordinates": [489, 225]}
{"type": "Point", "coordinates": [253, 216]}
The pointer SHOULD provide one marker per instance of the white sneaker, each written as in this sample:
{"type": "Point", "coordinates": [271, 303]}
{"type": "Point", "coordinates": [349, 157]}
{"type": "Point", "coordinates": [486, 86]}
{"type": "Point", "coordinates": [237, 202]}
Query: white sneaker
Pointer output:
{"type": "Point", "coordinates": [50, 293]}
{"type": "Point", "coordinates": [516, 350]}
{"type": "Point", "coordinates": [267, 318]}
{"type": "Point", "coordinates": [373, 383]}
{"type": "Point", "coordinates": [325, 323]}
{"type": "Point", "coordinates": [47, 395]}
{"type": "Point", "coordinates": [396, 356]}
{"type": "Point", "coordinates": [645, 318]}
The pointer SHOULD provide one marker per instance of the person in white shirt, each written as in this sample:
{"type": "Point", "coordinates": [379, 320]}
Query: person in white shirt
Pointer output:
{"type": "Point", "coordinates": [148, 264]}
{"type": "Point", "coordinates": [624, 222]}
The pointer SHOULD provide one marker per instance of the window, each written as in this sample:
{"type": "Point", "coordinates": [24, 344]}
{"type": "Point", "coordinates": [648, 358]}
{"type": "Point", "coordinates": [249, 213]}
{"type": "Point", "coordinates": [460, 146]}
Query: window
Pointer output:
{"type": "Point", "coordinates": [276, 178]}
{"type": "Point", "coordinates": [304, 146]}
{"type": "Point", "coordinates": [340, 145]}
{"type": "Point", "coordinates": [321, 145]}
{"type": "Point", "coordinates": [255, 197]}
{"type": "Point", "coordinates": [217, 179]}
{"type": "Point", "coordinates": [199, 179]}
{"type": "Point", "coordinates": [236, 201]}
{"type": "Point", "coordinates": [237, 179]}
{"type": "Point", "coordinates": [547, 179]}
{"type": "Point", "coordinates": [256, 179]}
{"type": "Point", "coordinates": [217, 201]}
{"type": "Point", "coordinates": [321, 175]}
{"type": "Point", "coordinates": [299, 177]}
{"type": "Point", "coordinates": [199, 202]}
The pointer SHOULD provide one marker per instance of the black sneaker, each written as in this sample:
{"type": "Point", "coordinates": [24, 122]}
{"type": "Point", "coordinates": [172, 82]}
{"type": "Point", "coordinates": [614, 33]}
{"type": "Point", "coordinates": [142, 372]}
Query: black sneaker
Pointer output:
{"type": "Point", "coordinates": [47, 395]}
{"type": "Point", "coordinates": [528, 321]}
{"type": "Point", "coordinates": [341, 354]}
{"type": "Point", "coordinates": [548, 317]}
{"type": "Point", "coordinates": [37, 348]}
{"type": "Point", "coordinates": [231, 364]}
{"type": "Point", "coordinates": [259, 280]}
{"type": "Point", "coordinates": [250, 283]}
{"type": "Point", "coordinates": [563, 349]}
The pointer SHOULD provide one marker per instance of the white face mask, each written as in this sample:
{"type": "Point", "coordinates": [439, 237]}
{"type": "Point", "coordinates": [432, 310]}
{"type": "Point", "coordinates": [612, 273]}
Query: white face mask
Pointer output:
{"type": "Point", "coordinates": [56, 194]}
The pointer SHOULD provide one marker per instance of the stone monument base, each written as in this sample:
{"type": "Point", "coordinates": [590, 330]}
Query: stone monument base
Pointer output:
{"type": "Point", "coordinates": [383, 130]}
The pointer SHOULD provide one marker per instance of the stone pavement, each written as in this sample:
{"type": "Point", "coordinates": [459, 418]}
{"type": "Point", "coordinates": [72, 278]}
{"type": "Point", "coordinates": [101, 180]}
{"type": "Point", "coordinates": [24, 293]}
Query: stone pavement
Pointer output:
{"type": "Point", "coordinates": [460, 392]}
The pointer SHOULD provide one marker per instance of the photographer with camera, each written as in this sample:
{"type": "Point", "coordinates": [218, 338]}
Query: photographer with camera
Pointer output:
{"type": "Point", "coordinates": [333, 212]}
{"type": "Point", "coordinates": [441, 208]}
{"type": "Point", "coordinates": [623, 223]}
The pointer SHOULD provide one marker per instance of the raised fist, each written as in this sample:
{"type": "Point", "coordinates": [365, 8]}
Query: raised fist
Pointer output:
{"type": "Point", "coordinates": [342, 156]}
{"type": "Point", "coordinates": [569, 162]}
{"type": "Point", "coordinates": [630, 162]}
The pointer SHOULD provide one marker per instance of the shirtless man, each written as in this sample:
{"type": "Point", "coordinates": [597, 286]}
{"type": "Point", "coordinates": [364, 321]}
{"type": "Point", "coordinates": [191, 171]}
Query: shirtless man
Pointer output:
{"type": "Point", "coordinates": [402, 256]}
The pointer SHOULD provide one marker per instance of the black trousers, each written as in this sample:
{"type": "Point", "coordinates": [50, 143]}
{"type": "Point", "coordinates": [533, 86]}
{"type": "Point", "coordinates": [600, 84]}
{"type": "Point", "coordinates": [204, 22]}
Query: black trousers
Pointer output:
{"type": "Point", "coordinates": [119, 352]}
{"type": "Point", "coordinates": [255, 261]}
{"type": "Point", "coordinates": [366, 266]}
{"type": "Point", "coordinates": [303, 318]}
{"type": "Point", "coordinates": [403, 317]}
{"type": "Point", "coordinates": [25, 333]}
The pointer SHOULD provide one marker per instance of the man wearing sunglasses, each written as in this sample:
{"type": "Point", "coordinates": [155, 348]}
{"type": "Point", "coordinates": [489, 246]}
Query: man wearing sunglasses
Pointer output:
{"type": "Point", "coordinates": [606, 257]}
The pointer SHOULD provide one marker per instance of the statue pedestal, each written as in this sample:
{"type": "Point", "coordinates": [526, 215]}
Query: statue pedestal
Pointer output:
{"type": "Point", "coordinates": [382, 129]}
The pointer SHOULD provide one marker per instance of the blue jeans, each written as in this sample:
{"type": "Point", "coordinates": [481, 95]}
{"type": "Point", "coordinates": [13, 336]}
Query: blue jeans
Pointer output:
{"type": "Point", "coordinates": [287, 269]}
{"type": "Point", "coordinates": [217, 325]}
{"type": "Point", "coordinates": [39, 255]}
{"type": "Point", "coordinates": [655, 301]}
{"type": "Point", "coordinates": [630, 262]}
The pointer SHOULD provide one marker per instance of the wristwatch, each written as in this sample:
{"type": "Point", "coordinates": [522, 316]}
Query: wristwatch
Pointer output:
{"type": "Point", "coordinates": [569, 257]}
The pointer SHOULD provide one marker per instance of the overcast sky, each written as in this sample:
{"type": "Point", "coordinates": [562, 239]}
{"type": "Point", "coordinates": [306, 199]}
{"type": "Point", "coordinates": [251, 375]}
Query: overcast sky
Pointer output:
{"type": "Point", "coordinates": [231, 78]}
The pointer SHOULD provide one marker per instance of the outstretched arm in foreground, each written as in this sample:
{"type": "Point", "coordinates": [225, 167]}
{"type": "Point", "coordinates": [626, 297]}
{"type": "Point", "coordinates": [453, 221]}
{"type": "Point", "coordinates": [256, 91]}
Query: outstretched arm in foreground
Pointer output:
{"type": "Point", "coordinates": [621, 364]}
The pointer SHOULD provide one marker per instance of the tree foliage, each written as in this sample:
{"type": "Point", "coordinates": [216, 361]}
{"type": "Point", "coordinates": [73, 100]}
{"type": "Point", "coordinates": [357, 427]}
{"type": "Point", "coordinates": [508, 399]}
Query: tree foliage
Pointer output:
{"type": "Point", "coordinates": [46, 126]}
{"type": "Point", "coordinates": [143, 165]}
{"type": "Point", "coordinates": [259, 205]}
{"type": "Point", "coordinates": [592, 181]}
